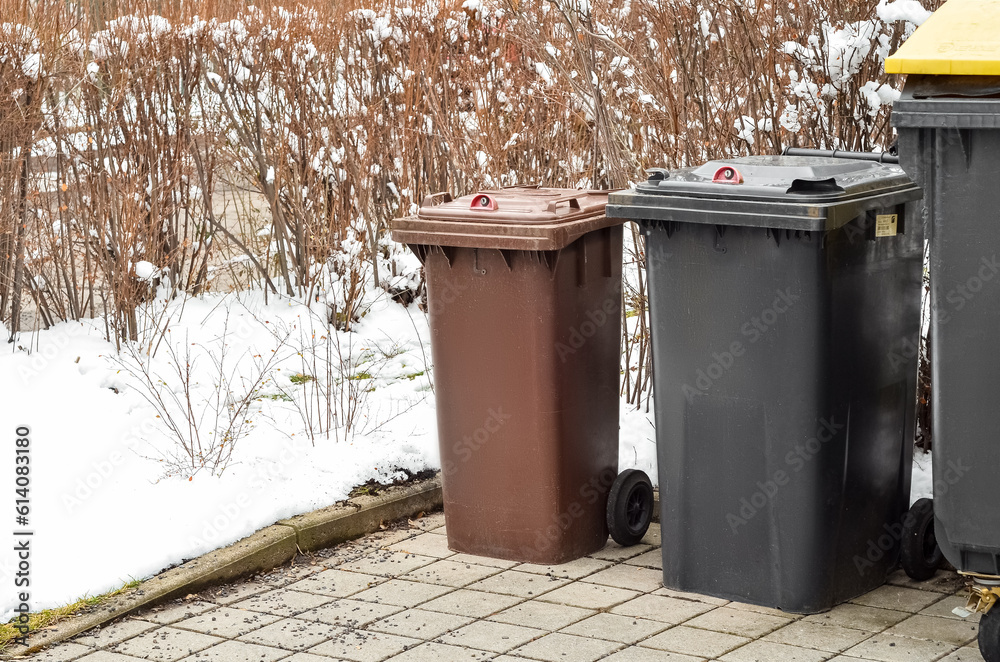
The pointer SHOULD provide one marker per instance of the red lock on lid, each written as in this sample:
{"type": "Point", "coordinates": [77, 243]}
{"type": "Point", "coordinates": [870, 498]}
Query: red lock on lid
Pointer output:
{"type": "Point", "coordinates": [727, 175]}
{"type": "Point", "coordinates": [483, 201]}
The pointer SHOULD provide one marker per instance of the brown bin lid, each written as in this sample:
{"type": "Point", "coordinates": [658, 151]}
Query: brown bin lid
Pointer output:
{"type": "Point", "coordinates": [514, 218]}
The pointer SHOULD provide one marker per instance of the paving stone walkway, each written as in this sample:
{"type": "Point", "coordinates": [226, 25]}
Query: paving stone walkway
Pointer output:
{"type": "Point", "coordinates": [403, 595]}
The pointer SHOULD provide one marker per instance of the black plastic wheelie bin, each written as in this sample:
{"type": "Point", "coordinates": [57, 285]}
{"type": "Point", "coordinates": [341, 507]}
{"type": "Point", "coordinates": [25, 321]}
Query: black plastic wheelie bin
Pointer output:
{"type": "Point", "coordinates": [948, 121]}
{"type": "Point", "coordinates": [784, 299]}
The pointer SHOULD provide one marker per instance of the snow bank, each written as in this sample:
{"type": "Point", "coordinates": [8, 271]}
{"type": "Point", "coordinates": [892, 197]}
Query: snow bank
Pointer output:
{"type": "Point", "coordinates": [104, 512]}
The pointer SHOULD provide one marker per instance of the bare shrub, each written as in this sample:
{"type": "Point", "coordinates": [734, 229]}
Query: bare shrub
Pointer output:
{"type": "Point", "coordinates": [205, 420]}
{"type": "Point", "coordinates": [151, 152]}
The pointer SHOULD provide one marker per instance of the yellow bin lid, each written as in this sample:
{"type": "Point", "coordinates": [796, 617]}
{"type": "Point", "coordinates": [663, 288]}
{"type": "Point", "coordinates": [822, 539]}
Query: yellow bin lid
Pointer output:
{"type": "Point", "coordinates": [962, 38]}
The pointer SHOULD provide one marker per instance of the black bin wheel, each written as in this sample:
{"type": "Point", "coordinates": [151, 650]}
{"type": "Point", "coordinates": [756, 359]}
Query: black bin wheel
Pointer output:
{"type": "Point", "coordinates": [920, 555]}
{"type": "Point", "coordinates": [630, 507]}
{"type": "Point", "coordinates": [989, 635]}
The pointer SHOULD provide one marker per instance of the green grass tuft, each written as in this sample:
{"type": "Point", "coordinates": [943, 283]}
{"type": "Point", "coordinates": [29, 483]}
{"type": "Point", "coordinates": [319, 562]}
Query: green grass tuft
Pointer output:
{"type": "Point", "coordinates": [47, 617]}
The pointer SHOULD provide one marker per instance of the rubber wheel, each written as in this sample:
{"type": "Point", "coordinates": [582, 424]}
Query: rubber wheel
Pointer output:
{"type": "Point", "coordinates": [630, 507]}
{"type": "Point", "coordinates": [989, 635]}
{"type": "Point", "coordinates": [920, 555]}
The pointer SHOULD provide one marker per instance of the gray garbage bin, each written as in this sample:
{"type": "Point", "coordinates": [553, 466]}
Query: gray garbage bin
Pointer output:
{"type": "Point", "coordinates": [948, 121]}
{"type": "Point", "coordinates": [785, 303]}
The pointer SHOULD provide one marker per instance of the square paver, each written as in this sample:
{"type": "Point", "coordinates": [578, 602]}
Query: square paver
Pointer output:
{"type": "Point", "coordinates": [390, 536]}
{"type": "Point", "coordinates": [115, 633]}
{"type": "Point", "coordinates": [766, 651]}
{"type": "Point", "coordinates": [283, 602]}
{"type": "Point", "coordinates": [387, 563]}
{"type": "Point", "coordinates": [888, 648]}
{"type": "Point", "coordinates": [172, 613]}
{"type": "Point", "coordinates": [435, 652]}
{"type": "Point", "coordinates": [589, 596]}
{"type": "Point", "coordinates": [62, 653]}
{"type": "Point", "coordinates": [382, 539]}
{"type": "Point", "coordinates": [652, 536]}
{"type": "Point", "coordinates": [483, 560]}
{"type": "Point", "coordinates": [238, 651]}
{"type": "Point", "coordinates": [336, 583]}
{"type": "Point", "coordinates": [476, 604]}
{"type": "Point", "coordinates": [745, 606]}
{"type": "Point", "coordinates": [697, 597]}
{"type": "Point", "coordinates": [859, 617]}
{"type": "Point", "coordinates": [291, 633]}
{"type": "Point", "coordinates": [361, 646]}
{"type": "Point", "coordinates": [946, 630]}
{"type": "Point", "coordinates": [419, 624]}
{"type": "Point", "coordinates": [651, 559]}
{"type": "Point", "coordinates": [557, 647]}
{"type": "Point", "coordinates": [624, 629]}
{"type": "Point", "coordinates": [615, 552]}
{"type": "Point", "coordinates": [636, 654]}
{"type": "Point", "coordinates": [402, 593]}
{"type": "Point", "coordinates": [349, 613]}
{"type": "Point", "coordinates": [663, 609]}
{"type": "Point", "coordinates": [943, 608]}
{"type": "Point", "coordinates": [967, 654]}
{"type": "Point", "coordinates": [741, 623]}
{"type": "Point", "coordinates": [429, 522]}
{"type": "Point", "coordinates": [166, 644]}
{"type": "Point", "coordinates": [692, 641]}
{"type": "Point", "coordinates": [942, 582]}
{"type": "Point", "coordinates": [899, 598]}
{"type": "Point", "coordinates": [629, 577]}
{"type": "Point", "coordinates": [426, 544]}
{"type": "Point", "coordinates": [521, 584]}
{"type": "Point", "coordinates": [492, 636]}
{"type": "Point", "coordinates": [450, 573]}
{"type": "Point", "coordinates": [107, 656]}
{"type": "Point", "coordinates": [227, 595]}
{"type": "Point", "coordinates": [572, 570]}
{"type": "Point", "coordinates": [228, 622]}
{"type": "Point", "coordinates": [543, 615]}
{"type": "Point", "coordinates": [306, 657]}
{"type": "Point", "coordinates": [282, 577]}
{"type": "Point", "coordinates": [829, 638]}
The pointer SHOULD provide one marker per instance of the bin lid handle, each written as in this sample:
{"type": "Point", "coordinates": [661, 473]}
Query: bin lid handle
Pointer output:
{"type": "Point", "coordinates": [436, 199]}
{"type": "Point", "coordinates": [573, 199]}
{"type": "Point", "coordinates": [657, 174]}
{"type": "Point", "coordinates": [727, 175]}
{"type": "Point", "coordinates": [814, 186]}
{"type": "Point", "coordinates": [484, 202]}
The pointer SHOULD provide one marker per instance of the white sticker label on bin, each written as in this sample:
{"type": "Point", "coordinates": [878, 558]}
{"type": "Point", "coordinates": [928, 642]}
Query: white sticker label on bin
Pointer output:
{"type": "Point", "coordinates": [885, 225]}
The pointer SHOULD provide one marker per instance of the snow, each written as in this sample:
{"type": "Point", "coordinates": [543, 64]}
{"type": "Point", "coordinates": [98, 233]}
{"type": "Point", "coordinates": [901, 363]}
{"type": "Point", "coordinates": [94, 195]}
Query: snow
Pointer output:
{"type": "Point", "coordinates": [745, 127]}
{"type": "Point", "coordinates": [146, 271]}
{"type": "Point", "coordinates": [32, 65]}
{"type": "Point", "coordinates": [910, 11]}
{"type": "Point", "coordinates": [847, 49]}
{"type": "Point", "coordinates": [543, 70]}
{"type": "Point", "coordinates": [109, 503]}
{"type": "Point", "coordinates": [922, 482]}
{"type": "Point", "coordinates": [637, 440]}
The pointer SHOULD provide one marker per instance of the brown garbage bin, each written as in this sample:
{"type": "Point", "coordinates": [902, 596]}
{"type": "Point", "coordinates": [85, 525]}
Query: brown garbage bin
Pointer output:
{"type": "Point", "coordinates": [524, 301]}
